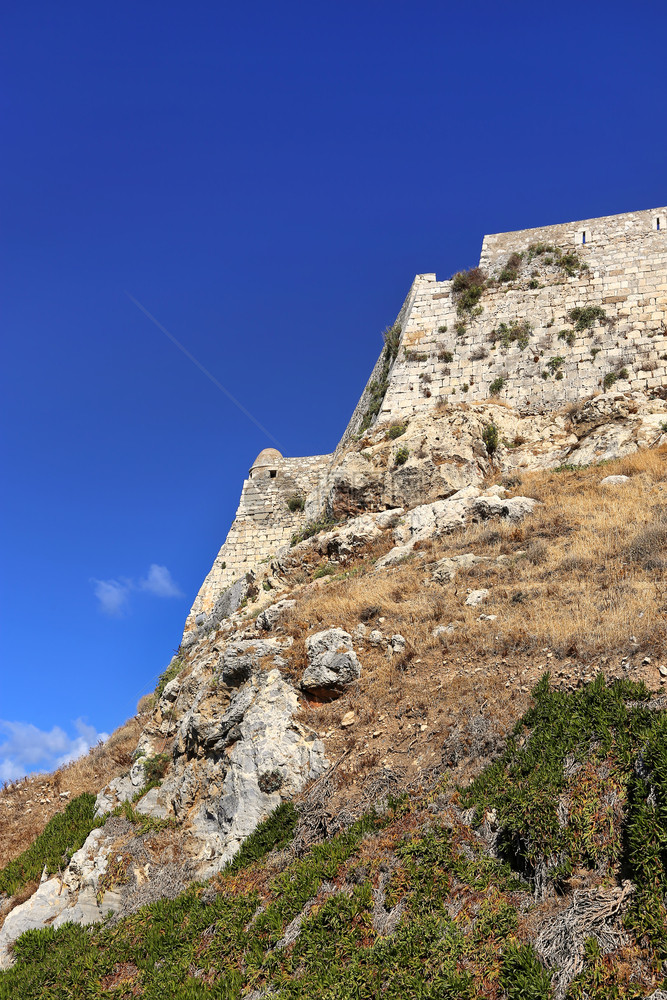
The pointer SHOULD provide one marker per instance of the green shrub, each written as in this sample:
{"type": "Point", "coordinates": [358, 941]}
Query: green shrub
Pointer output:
{"type": "Point", "coordinates": [534, 283]}
{"type": "Point", "coordinates": [395, 431]}
{"type": "Point", "coordinates": [460, 328]}
{"type": "Point", "coordinates": [322, 523]}
{"type": "Point", "coordinates": [490, 438]}
{"type": "Point", "coordinates": [64, 834]}
{"type": "Point", "coordinates": [154, 768]}
{"type": "Point", "coordinates": [325, 570]}
{"type": "Point", "coordinates": [296, 502]}
{"type": "Point", "coordinates": [443, 328]}
{"type": "Point", "coordinates": [567, 336]}
{"type": "Point", "coordinates": [172, 671]}
{"type": "Point", "coordinates": [401, 456]}
{"type": "Point", "coordinates": [515, 332]}
{"type": "Point", "coordinates": [584, 317]}
{"type": "Point", "coordinates": [553, 364]}
{"type": "Point", "coordinates": [609, 379]}
{"type": "Point", "coordinates": [468, 287]}
{"type": "Point", "coordinates": [496, 385]}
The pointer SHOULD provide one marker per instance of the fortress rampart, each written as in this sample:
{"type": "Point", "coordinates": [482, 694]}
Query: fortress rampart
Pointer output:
{"type": "Point", "coordinates": [454, 355]}
{"type": "Point", "coordinates": [562, 312]}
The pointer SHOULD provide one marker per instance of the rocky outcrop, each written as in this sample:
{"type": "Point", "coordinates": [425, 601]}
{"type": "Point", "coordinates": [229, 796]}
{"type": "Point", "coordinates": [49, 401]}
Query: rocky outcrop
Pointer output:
{"type": "Point", "coordinates": [332, 663]}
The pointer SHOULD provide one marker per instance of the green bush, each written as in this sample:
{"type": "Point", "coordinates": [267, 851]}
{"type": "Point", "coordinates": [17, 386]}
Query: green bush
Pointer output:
{"type": "Point", "coordinates": [468, 287]}
{"type": "Point", "coordinates": [64, 834]}
{"type": "Point", "coordinates": [515, 332]}
{"type": "Point", "coordinates": [401, 456]}
{"type": "Point", "coordinates": [496, 385]}
{"type": "Point", "coordinates": [490, 438]}
{"type": "Point", "coordinates": [395, 431]}
{"type": "Point", "coordinates": [154, 768]}
{"type": "Point", "coordinates": [553, 364]}
{"type": "Point", "coordinates": [296, 502]}
{"type": "Point", "coordinates": [584, 317]}
{"type": "Point", "coordinates": [172, 671]}
{"type": "Point", "coordinates": [325, 570]}
{"type": "Point", "coordinates": [322, 523]}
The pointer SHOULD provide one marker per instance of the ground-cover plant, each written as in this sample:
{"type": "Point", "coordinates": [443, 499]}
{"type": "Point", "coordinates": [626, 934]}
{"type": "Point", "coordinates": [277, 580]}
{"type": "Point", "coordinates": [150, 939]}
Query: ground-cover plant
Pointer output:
{"type": "Point", "coordinates": [583, 781]}
{"type": "Point", "coordinates": [62, 836]}
{"type": "Point", "coordinates": [227, 939]}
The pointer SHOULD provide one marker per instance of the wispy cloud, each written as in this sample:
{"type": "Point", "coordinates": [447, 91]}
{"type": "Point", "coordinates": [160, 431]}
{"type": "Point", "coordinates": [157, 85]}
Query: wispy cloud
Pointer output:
{"type": "Point", "coordinates": [25, 747]}
{"type": "Point", "coordinates": [113, 595]}
{"type": "Point", "coordinates": [159, 582]}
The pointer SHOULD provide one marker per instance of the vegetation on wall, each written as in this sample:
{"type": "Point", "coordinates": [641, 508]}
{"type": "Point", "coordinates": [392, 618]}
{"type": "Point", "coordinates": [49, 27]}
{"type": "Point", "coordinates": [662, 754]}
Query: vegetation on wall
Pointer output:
{"type": "Point", "coordinates": [467, 289]}
{"type": "Point", "coordinates": [378, 387]}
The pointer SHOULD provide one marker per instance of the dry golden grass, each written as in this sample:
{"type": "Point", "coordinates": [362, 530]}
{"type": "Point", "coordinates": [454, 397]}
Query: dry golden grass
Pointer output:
{"type": "Point", "coordinates": [589, 590]}
{"type": "Point", "coordinates": [27, 805]}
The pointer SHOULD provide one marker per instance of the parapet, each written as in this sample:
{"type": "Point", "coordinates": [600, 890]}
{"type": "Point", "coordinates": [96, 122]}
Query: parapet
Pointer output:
{"type": "Point", "coordinates": [611, 233]}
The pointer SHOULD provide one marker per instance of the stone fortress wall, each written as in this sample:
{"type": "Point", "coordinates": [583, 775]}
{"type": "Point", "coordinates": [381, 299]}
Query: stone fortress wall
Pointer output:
{"type": "Point", "coordinates": [446, 355]}
{"type": "Point", "coordinates": [626, 276]}
{"type": "Point", "coordinates": [264, 522]}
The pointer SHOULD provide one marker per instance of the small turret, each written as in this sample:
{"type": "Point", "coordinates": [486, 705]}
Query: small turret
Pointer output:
{"type": "Point", "coordinates": [266, 464]}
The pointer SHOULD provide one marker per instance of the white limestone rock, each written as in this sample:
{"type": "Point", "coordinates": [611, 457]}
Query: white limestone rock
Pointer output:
{"type": "Point", "coordinates": [332, 663]}
{"type": "Point", "coordinates": [476, 597]}
{"type": "Point", "coordinates": [269, 617]}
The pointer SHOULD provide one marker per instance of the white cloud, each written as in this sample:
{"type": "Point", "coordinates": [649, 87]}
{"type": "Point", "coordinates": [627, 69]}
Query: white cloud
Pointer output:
{"type": "Point", "coordinates": [159, 582]}
{"type": "Point", "coordinates": [25, 747]}
{"type": "Point", "coordinates": [113, 595]}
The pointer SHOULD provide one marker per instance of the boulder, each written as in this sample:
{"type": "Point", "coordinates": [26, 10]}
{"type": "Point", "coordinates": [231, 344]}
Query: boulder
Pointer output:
{"type": "Point", "coordinates": [395, 556]}
{"type": "Point", "coordinates": [476, 597]}
{"type": "Point", "coordinates": [332, 663]}
{"type": "Point", "coordinates": [613, 480]}
{"type": "Point", "coordinates": [269, 617]}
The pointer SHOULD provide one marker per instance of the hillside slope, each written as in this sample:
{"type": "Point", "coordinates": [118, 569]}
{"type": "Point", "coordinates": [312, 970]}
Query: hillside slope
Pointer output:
{"type": "Point", "coordinates": [431, 853]}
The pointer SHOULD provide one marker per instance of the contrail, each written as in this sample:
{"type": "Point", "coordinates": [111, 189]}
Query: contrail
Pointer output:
{"type": "Point", "coordinates": [201, 368]}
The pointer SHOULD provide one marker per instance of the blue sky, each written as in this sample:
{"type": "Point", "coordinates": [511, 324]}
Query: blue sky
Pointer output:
{"type": "Point", "coordinates": [265, 179]}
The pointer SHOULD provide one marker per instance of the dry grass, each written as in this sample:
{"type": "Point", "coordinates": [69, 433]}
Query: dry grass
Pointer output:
{"type": "Point", "coordinates": [589, 590]}
{"type": "Point", "coordinates": [27, 805]}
